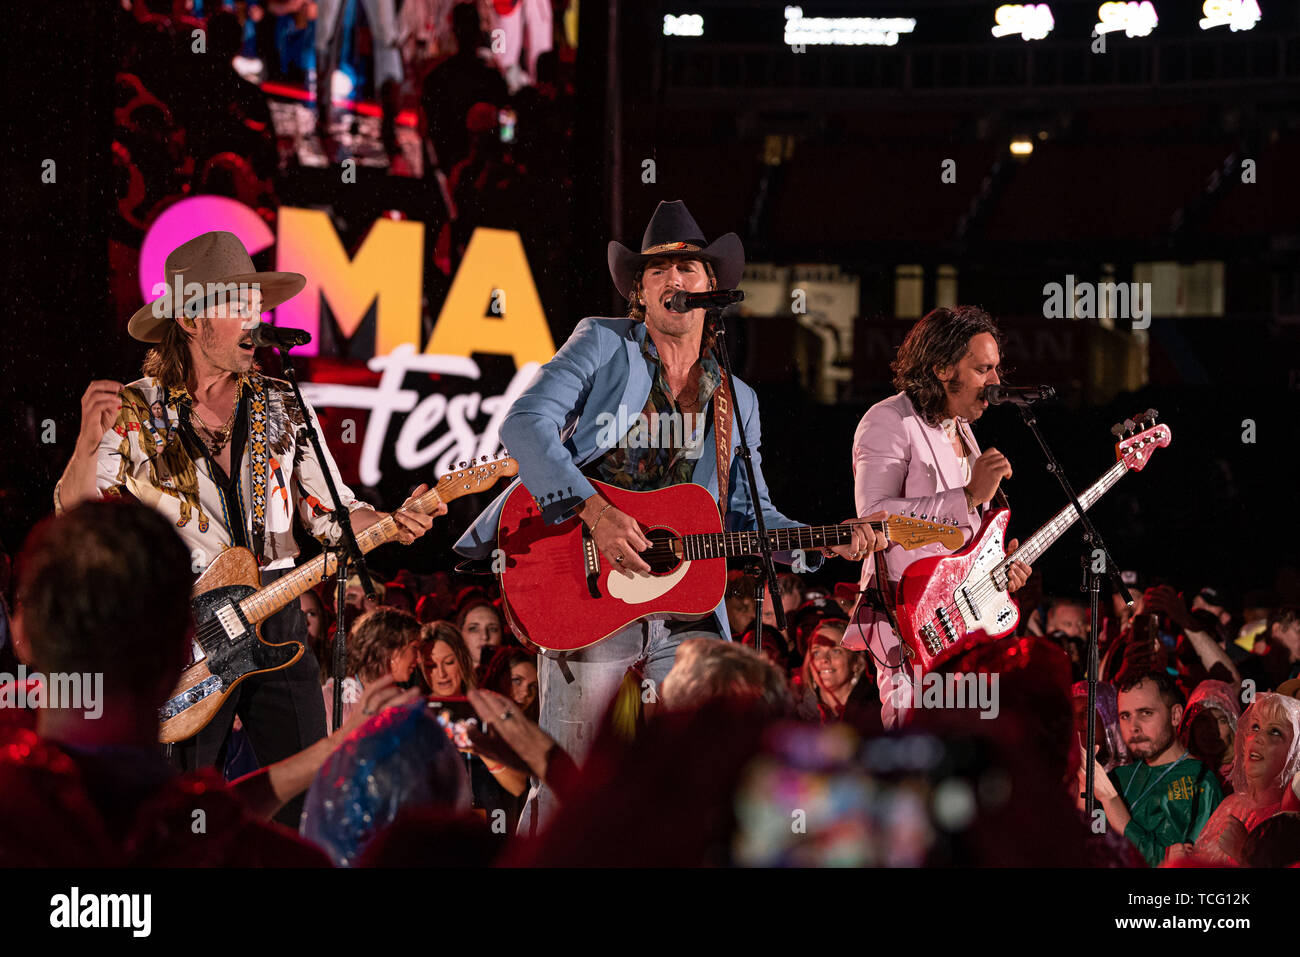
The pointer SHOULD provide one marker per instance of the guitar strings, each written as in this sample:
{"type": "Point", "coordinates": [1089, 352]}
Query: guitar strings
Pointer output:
{"type": "Point", "coordinates": [988, 588]}
{"type": "Point", "coordinates": [212, 628]}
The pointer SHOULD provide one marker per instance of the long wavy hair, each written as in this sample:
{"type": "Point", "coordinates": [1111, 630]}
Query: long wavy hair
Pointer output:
{"type": "Point", "coordinates": [169, 361]}
{"type": "Point", "coordinates": [435, 631]}
{"type": "Point", "coordinates": [939, 339]}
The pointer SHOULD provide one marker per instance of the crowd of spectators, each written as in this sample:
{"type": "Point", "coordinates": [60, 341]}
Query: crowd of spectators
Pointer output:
{"type": "Point", "coordinates": [191, 119]}
{"type": "Point", "coordinates": [1197, 730]}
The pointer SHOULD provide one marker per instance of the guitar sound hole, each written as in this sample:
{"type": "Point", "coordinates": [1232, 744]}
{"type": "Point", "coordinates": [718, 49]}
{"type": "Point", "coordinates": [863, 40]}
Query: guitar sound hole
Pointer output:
{"type": "Point", "coordinates": [661, 556]}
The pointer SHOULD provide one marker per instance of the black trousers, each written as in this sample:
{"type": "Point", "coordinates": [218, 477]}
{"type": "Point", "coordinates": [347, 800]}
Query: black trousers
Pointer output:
{"type": "Point", "coordinates": [282, 711]}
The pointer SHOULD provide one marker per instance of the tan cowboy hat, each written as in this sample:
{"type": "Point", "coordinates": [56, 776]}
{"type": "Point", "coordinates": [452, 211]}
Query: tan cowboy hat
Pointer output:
{"type": "Point", "coordinates": [218, 258]}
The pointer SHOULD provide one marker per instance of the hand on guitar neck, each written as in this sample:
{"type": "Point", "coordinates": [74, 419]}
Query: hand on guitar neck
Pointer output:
{"type": "Point", "coordinates": [411, 523]}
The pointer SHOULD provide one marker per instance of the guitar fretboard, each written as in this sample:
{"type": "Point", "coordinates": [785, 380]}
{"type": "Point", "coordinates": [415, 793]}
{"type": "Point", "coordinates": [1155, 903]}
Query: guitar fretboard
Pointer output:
{"type": "Point", "coordinates": [267, 601]}
{"type": "Point", "coordinates": [1041, 540]}
{"type": "Point", "coordinates": [733, 544]}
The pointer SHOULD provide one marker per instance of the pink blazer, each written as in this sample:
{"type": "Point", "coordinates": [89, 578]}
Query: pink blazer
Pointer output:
{"type": "Point", "coordinates": [903, 465]}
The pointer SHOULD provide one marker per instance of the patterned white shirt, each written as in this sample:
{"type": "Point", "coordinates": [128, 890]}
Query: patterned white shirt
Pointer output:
{"type": "Point", "coordinates": [144, 455]}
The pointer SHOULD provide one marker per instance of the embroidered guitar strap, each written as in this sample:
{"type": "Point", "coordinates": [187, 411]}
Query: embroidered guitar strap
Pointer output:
{"type": "Point", "coordinates": [722, 439]}
{"type": "Point", "coordinates": [257, 461]}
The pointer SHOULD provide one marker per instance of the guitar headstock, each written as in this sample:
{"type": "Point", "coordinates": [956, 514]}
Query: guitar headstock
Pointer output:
{"type": "Point", "coordinates": [1139, 438]}
{"type": "Point", "coordinates": [476, 476]}
{"type": "Point", "coordinates": [912, 532]}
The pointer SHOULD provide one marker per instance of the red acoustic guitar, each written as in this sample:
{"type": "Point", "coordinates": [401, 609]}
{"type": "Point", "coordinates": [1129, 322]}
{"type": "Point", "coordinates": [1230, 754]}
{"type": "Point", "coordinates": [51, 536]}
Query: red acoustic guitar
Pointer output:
{"type": "Point", "coordinates": [949, 603]}
{"type": "Point", "coordinates": [564, 595]}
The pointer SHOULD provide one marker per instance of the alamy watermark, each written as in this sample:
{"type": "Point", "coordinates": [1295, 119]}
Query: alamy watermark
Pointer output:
{"type": "Point", "coordinates": [1087, 300]}
{"type": "Point", "coordinates": [935, 691]}
{"type": "Point", "coordinates": [58, 690]}
{"type": "Point", "coordinates": [192, 299]}
{"type": "Point", "coordinates": [656, 430]}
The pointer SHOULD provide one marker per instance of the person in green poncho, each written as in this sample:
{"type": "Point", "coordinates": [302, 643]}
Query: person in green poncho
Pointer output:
{"type": "Point", "coordinates": [1165, 796]}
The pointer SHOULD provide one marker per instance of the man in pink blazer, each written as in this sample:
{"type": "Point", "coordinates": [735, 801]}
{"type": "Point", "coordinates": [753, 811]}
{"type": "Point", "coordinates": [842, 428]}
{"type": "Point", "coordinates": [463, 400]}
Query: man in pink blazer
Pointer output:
{"type": "Point", "coordinates": [915, 453]}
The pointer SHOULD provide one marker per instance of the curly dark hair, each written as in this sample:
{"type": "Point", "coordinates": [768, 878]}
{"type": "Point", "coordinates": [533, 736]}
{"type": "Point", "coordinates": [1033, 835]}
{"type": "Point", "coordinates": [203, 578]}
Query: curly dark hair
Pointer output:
{"type": "Point", "coordinates": [940, 338]}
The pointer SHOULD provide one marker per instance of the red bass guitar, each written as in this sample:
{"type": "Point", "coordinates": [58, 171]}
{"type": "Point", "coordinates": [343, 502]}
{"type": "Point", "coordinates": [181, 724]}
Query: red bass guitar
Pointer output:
{"type": "Point", "coordinates": [564, 595]}
{"type": "Point", "coordinates": [949, 603]}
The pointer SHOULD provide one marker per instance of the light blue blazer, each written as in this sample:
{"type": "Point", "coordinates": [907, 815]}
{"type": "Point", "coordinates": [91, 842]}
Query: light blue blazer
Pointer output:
{"type": "Point", "coordinates": [553, 431]}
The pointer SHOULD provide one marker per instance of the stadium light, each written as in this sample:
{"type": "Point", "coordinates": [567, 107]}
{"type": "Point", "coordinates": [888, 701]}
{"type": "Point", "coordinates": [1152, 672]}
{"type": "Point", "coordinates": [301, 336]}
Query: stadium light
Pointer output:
{"type": "Point", "coordinates": [1033, 21]}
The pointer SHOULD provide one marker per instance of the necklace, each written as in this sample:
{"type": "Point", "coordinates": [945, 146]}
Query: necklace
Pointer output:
{"type": "Point", "coordinates": [1133, 803]}
{"type": "Point", "coordinates": [216, 439]}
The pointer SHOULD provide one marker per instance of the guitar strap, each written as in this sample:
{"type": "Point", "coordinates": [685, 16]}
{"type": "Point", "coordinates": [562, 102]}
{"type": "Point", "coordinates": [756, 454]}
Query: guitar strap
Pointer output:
{"type": "Point", "coordinates": [722, 440]}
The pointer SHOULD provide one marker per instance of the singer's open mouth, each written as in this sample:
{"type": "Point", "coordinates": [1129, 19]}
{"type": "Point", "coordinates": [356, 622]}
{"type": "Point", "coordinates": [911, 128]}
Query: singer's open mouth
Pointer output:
{"type": "Point", "coordinates": [246, 344]}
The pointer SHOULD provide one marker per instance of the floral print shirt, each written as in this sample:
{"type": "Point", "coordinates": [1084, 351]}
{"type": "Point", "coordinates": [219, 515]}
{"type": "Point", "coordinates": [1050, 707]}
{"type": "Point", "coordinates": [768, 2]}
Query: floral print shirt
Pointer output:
{"type": "Point", "coordinates": [662, 444]}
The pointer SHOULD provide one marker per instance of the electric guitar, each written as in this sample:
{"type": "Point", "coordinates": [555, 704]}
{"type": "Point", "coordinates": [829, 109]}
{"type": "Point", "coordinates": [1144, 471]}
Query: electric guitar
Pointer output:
{"type": "Point", "coordinates": [564, 595]}
{"type": "Point", "coordinates": [230, 605]}
{"type": "Point", "coordinates": [949, 603]}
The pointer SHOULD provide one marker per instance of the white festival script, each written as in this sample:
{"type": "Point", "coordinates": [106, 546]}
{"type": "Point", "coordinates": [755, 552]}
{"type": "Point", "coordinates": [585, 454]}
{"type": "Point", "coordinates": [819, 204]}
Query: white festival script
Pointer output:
{"type": "Point", "coordinates": [439, 427]}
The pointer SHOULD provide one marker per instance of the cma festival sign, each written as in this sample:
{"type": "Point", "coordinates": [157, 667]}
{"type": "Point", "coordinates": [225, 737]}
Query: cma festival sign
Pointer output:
{"type": "Point", "coordinates": [387, 272]}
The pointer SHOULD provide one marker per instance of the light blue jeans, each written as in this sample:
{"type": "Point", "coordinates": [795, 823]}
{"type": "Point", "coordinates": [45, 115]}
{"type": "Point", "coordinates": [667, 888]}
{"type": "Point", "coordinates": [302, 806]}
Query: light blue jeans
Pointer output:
{"type": "Point", "coordinates": [573, 706]}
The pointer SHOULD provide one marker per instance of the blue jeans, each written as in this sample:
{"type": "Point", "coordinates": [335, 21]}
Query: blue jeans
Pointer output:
{"type": "Point", "coordinates": [573, 708]}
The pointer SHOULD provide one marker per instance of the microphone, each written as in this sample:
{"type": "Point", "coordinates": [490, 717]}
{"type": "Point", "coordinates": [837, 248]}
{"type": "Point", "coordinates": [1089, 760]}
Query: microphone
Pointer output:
{"type": "Point", "coordinates": [1023, 395]}
{"type": "Point", "coordinates": [686, 301]}
{"type": "Point", "coordinates": [279, 337]}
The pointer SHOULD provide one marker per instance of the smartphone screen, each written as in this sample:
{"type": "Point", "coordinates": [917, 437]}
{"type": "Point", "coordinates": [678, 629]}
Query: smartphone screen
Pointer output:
{"type": "Point", "coordinates": [456, 716]}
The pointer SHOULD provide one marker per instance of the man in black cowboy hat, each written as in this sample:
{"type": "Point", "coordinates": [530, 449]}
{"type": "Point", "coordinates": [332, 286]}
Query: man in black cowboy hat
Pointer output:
{"type": "Point", "coordinates": [654, 362]}
{"type": "Point", "coordinates": [225, 466]}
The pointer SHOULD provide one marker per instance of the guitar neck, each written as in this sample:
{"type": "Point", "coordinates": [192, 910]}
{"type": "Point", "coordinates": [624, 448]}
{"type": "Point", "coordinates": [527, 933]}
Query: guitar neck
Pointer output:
{"type": "Point", "coordinates": [736, 544]}
{"type": "Point", "coordinates": [265, 602]}
{"type": "Point", "coordinates": [1041, 540]}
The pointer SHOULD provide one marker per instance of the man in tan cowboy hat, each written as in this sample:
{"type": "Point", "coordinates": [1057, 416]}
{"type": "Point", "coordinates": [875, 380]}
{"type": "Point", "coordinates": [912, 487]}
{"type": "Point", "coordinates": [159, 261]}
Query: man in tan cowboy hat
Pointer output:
{"type": "Point", "coordinates": [654, 362]}
{"type": "Point", "coordinates": [227, 468]}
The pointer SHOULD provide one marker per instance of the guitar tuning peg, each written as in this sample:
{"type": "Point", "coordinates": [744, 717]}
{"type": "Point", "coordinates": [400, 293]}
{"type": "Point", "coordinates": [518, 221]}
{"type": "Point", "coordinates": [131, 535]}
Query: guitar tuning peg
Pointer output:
{"type": "Point", "coordinates": [1117, 430]}
{"type": "Point", "coordinates": [463, 464]}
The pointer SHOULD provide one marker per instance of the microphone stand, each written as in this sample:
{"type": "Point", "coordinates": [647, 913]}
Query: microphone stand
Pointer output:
{"type": "Point", "coordinates": [347, 548]}
{"type": "Point", "coordinates": [1093, 582]}
{"type": "Point", "coordinates": [713, 318]}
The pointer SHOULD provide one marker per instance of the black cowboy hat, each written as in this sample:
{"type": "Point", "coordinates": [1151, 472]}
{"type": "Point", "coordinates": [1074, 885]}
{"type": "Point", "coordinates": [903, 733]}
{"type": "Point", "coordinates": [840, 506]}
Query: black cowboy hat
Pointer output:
{"type": "Point", "coordinates": [674, 232]}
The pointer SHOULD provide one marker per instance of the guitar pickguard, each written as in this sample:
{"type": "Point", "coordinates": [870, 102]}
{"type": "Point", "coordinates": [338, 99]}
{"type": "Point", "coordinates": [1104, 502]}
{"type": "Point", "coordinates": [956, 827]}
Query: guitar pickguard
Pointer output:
{"type": "Point", "coordinates": [981, 607]}
{"type": "Point", "coordinates": [638, 590]}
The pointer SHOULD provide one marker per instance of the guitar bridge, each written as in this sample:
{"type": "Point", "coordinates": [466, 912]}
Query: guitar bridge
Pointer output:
{"type": "Point", "coordinates": [932, 642]}
{"type": "Point", "coordinates": [590, 560]}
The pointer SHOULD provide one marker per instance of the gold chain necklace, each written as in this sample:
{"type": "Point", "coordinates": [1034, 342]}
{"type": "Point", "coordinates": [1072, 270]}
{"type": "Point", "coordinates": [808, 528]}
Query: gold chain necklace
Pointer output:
{"type": "Point", "coordinates": [216, 439]}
